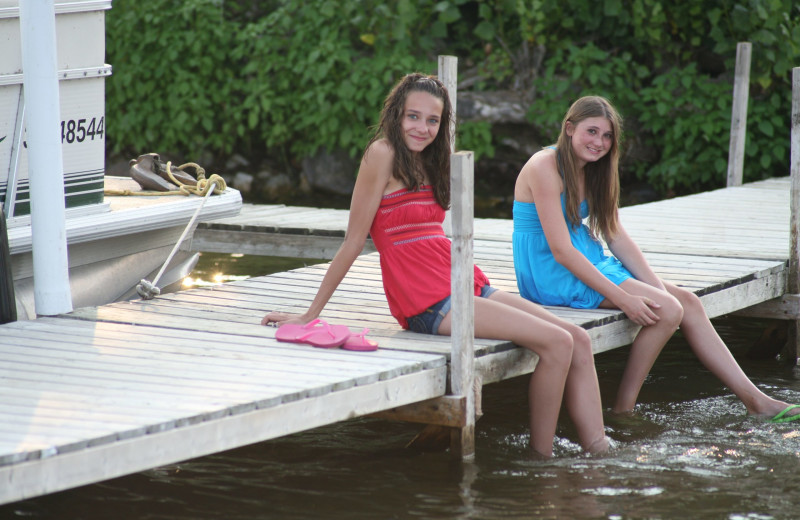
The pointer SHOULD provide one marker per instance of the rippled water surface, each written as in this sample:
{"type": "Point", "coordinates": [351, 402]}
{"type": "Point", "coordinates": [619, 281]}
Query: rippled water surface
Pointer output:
{"type": "Point", "coordinates": [689, 452]}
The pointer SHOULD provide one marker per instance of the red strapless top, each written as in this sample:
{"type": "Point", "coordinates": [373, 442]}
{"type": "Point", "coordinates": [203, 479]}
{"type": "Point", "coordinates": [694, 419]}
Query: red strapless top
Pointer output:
{"type": "Point", "coordinates": [415, 253]}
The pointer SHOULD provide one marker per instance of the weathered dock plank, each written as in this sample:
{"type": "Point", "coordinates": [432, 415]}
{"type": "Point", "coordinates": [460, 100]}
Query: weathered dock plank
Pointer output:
{"type": "Point", "coordinates": [723, 222]}
{"type": "Point", "coordinates": [103, 392]}
{"type": "Point", "coordinates": [110, 391]}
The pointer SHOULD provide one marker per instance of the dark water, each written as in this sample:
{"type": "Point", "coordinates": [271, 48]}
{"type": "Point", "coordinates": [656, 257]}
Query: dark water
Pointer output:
{"type": "Point", "coordinates": [689, 452]}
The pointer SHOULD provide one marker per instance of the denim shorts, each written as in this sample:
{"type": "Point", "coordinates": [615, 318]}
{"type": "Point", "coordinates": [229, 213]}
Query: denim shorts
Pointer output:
{"type": "Point", "coordinates": [428, 321]}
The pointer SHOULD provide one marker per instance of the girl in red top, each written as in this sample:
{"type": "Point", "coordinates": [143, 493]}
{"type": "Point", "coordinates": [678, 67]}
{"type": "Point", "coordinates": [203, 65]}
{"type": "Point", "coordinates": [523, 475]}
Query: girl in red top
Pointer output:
{"type": "Point", "coordinates": [399, 199]}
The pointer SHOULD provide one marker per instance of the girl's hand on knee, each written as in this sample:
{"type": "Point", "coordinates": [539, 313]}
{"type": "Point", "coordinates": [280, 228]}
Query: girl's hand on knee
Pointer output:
{"type": "Point", "coordinates": [640, 310]}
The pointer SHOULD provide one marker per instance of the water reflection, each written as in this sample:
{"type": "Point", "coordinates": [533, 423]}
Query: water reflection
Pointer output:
{"type": "Point", "coordinates": [689, 451]}
{"type": "Point", "coordinates": [216, 268]}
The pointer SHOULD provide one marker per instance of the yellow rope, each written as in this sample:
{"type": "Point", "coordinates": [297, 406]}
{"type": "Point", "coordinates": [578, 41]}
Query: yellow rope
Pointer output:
{"type": "Point", "coordinates": [147, 193]}
{"type": "Point", "coordinates": [203, 184]}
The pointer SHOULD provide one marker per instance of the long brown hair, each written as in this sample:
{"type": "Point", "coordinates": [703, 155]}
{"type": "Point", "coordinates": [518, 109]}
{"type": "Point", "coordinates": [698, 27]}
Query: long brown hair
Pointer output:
{"type": "Point", "coordinates": [601, 186]}
{"type": "Point", "coordinates": [434, 160]}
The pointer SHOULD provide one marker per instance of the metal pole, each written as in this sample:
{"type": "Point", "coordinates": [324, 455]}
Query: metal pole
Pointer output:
{"type": "Point", "coordinates": [45, 164]}
{"type": "Point", "coordinates": [16, 150]}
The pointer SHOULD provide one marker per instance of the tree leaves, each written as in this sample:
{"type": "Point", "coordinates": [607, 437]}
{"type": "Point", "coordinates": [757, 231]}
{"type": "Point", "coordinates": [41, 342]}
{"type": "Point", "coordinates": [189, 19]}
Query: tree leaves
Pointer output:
{"type": "Point", "coordinates": [207, 76]}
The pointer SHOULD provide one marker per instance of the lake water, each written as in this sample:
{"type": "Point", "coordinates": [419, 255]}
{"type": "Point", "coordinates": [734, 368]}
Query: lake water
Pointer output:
{"type": "Point", "coordinates": [689, 452]}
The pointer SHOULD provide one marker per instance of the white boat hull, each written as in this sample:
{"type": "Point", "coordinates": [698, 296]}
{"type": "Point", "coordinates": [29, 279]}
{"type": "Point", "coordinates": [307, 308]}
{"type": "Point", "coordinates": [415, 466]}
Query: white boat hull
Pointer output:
{"type": "Point", "coordinates": [113, 242]}
{"type": "Point", "coordinates": [112, 246]}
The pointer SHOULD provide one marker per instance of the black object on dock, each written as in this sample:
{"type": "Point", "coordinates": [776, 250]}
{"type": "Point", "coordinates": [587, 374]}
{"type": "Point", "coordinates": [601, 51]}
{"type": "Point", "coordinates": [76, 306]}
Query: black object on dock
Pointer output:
{"type": "Point", "coordinates": [8, 303]}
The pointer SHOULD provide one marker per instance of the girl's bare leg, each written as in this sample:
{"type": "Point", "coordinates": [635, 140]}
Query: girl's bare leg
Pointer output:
{"type": "Point", "coordinates": [715, 356]}
{"type": "Point", "coordinates": [582, 391]}
{"type": "Point", "coordinates": [648, 342]}
{"type": "Point", "coordinates": [560, 368]}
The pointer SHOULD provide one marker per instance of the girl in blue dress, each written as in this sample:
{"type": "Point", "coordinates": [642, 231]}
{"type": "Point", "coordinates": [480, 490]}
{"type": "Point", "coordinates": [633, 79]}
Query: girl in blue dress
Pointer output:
{"type": "Point", "coordinates": [560, 261]}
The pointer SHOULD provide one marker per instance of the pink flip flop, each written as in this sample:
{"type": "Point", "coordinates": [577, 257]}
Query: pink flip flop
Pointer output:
{"type": "Point", "coordinates": [317, 333]}
{"type": "Point", "coordinates": [360, 342]}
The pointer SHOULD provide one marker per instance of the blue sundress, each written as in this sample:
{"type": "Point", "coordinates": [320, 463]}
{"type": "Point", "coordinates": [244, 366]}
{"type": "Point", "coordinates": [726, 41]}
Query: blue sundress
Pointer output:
{"type": "Point", "coordinates": [543, 280]}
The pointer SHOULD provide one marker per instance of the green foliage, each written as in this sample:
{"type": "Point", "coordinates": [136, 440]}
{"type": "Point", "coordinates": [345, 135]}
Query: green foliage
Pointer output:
{"type": "Point", "coordinates": [173, 86]}
{"type": "Point", "coordinates": [278, 77]}
{"type": "Point", "coordinates": [285, 78]}
{"type": "Point", "coordinates": [318, 73]}
{"type": "Point", "coordinates": [668, 67]}
{"type": "Point", "coordinates": [475, 136]}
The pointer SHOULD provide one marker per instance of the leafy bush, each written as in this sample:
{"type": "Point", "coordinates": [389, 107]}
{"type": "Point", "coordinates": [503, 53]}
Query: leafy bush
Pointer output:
{"type": "Point", "coordinates": [318, 71]}
{"type": "Point", "coordinates": [668, 67]}
{"type": "Point", "coordinates": [285, 78]}
{"type": "Point", "coordinates": [279, 77]}
{"type": "Point", "coordinates": [173, 86]}
{"type": "Point", "coordinates": [475, 136]}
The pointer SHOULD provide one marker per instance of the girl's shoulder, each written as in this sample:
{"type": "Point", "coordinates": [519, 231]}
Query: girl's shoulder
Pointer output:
{"type": "Point", "coordinates": [545, 157]}
{"type": "Point", "coordinates": [542, 163]}
{"type": "Point", "coordinates": [380, 148]}
{"type": "Point", "coordinates": [377, 163]}
{"type": "Point", "coordinates": [378, 155]}
{"type": "Point", "coordinates": [540, 172]}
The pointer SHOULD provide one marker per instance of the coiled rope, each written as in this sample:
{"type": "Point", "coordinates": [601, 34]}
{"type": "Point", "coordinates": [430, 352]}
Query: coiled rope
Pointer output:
{"type": "Point", "coordinates": [202, 187]}
{"type": "Point", "coordinates": [205, 187]}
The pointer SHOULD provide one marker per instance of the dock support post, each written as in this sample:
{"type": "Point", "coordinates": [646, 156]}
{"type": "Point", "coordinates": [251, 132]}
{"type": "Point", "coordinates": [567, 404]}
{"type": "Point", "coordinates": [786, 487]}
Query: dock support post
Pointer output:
{"type": "Point", "coordinates": [792, 349]}
{"type": "Point", "coordinates": [741, 91]}
{"type": "Point", "coordinates": [448, 74]}
{"type": "Point", "coordinates": [462, 362]}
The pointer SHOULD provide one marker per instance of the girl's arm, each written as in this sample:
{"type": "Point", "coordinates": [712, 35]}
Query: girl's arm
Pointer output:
{"type": "Point", "coordinates": [544, 183]}
{"type": "Point", "coordinates": [374, 175]}
{"type": "Point", "coordinates": [625, 249]}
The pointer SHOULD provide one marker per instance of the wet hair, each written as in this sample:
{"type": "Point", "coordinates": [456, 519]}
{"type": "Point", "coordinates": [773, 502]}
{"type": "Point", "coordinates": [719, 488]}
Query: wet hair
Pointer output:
{"type": "Point", "coordinates": [601, 186]}
{"type": "Point", "coordinates": [434, 160]}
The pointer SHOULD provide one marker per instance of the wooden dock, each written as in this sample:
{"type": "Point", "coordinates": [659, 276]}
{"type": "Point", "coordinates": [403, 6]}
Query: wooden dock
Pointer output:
{"type": "Point", "coordinates": [107, 391]}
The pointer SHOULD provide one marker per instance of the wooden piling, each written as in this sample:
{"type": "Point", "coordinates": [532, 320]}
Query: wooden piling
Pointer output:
{"type": "Point", "coordinates": [741, 90]}
{"type": "Point", "coordinates": [792, 349]}
{"type": "Point", "coordinates": [462, 281]}
{"type": "Point", "coordinates": [448, 74]}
